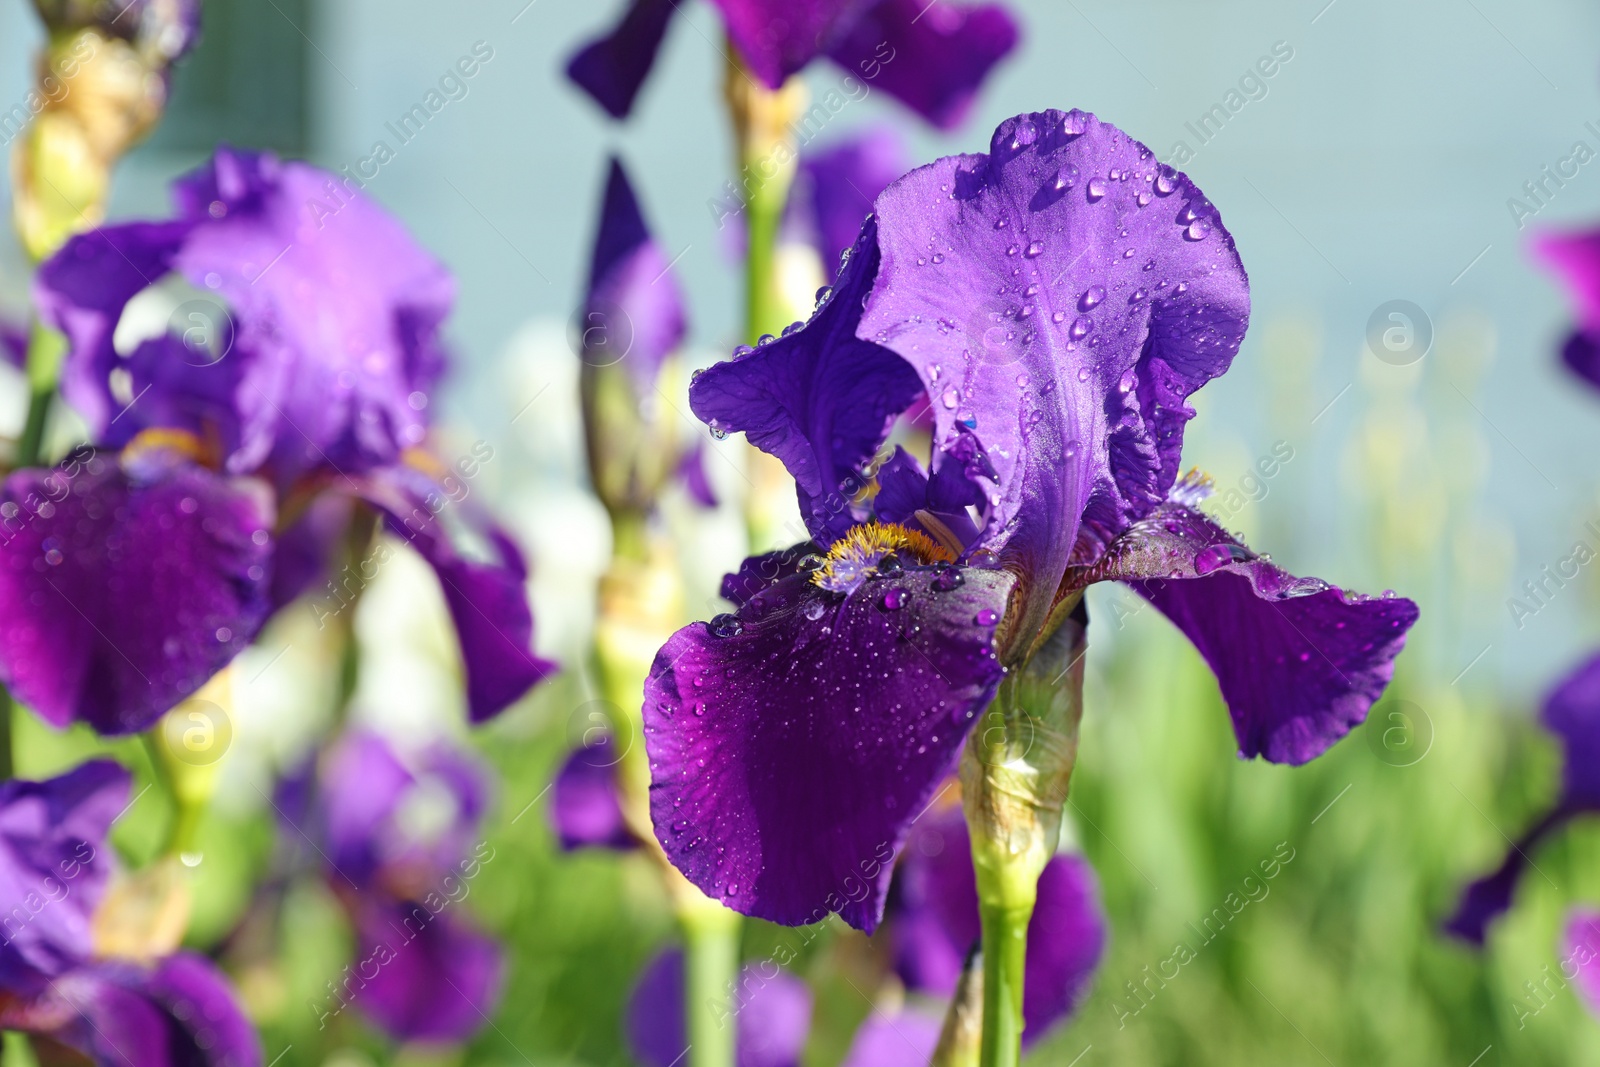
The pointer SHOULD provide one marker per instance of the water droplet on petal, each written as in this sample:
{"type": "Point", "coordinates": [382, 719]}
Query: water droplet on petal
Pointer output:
{"type": "Point", "coordinates": [725, 625]}
{"type": "Point", "coordinates": [1091, 298]}
{"type": "Point", "coordinates": [1096, 189]}
{"type": "Point", "coordinates": [895, 599]}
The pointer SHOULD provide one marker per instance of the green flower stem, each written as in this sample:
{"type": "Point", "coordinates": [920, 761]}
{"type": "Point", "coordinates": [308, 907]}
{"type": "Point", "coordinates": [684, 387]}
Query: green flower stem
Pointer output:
{"type": "Point", "coordinates": [1005, 944]}
{"type": "Point", "coordinates": [711, 967]}
{"type": "Point", "coordinates": [1015, 772]}
{"type": "Point", "coordinates": [46, 347]}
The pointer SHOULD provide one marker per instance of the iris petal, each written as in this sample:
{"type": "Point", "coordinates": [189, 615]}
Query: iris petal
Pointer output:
{"type": "Point", "coordinates": [611, 69]}
{"type": "Point", "coordinates": [1060, 298]}
{"type": "Point", "coordinates": [585, 808]}
{"type": "Point", "coordinates": [1299, 661]}
{"type": "Point", "coordinates": [931, 57]}
{"type": "Point", "coordinates": [125, 586]}
{"type": "Point", "coordinates": [48, 829]}
{"type": "Point", "coordinates": [792, 745]}
{"type": "Point", "coordinates": [818, 399]}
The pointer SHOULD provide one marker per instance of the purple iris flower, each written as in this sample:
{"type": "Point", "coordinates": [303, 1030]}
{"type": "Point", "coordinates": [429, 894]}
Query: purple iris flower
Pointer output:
{"type": "Point", "coordinates": [1572, 713]}
{"type": "Point", "coordinates": [1575, 257]}
{"type": "Point", "coordinates": [771, 1011]}
{"type": "Point", "coordinates": [54, 865]}
{"type": "Point", "coordinates": [906, 1038]}
{"type": "Point", "coordinates": [932, 58]}
{"type": "Point", "coordinates": [401, 847]}
{"type": "Point", "coordinates": [1059, 299]}
{"type": "Point", "coordinates": [934, 922]}
{"type": "Point", "coordinates": [305, 368]}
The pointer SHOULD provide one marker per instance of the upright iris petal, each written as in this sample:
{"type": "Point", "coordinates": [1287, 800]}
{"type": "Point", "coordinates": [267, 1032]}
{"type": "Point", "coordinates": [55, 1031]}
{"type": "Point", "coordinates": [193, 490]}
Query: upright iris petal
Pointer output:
{"type": "Point", "coordinates": [612, 68]}
{"type": "Point", "coordinates": [1572, 713]}
{"type": "Point", "coordinates": [126, 586]}
{"type": "Point", "coordinates": [335, 315]}
{"type": "Point", "coordinates": [1059, 299]}
{"type": "Point", "coordinates": [818, 399]}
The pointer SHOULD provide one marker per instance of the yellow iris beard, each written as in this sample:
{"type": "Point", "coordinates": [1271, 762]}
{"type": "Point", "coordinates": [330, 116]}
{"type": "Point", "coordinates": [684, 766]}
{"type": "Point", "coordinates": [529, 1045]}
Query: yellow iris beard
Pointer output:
{"type": "Point", "coordinates": [868, 543]}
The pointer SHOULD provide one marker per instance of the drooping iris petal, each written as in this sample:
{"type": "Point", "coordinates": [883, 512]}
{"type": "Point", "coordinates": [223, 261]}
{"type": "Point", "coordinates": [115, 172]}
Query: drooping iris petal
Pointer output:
{"type": "Point", "coordinates": [1060, 298]}
{"type": "Point", "coordinates": [793, 745]}
{"type": "Point", "coordinates": [178, 1013]}
{"type": "Point", "coordinates": [818, 399]}
{"type": "Point", "coordinates": [437, 978]}
{"type": "Point", "coordinates": [335, 313]}
{"type": "Point", "coordinates": [1486, 899]}
{"type": "Point", "coordinates": [775, 38]}
{"type": "Point", "coordinates": [125, 586]}
{"type": "Point", "coordinates": [1298, 661]}
{"type": "Point", "coordinates": [907, 1038]}
{"type": "Point", "coordinates": [612, 68]}
{"type": "Point", "coordinates": [1572, 713]}
{"type": "Point", "coordinates": [54, 861]}
{"type": "Point", "coordinates": [938, 924]}
{"type": "Point", "coordinates": [771, 1013]}
{"type": "Point", "coordinates": [837, 185]}
{"type": "Point", "coordinates": [634, 308]}
{"type": "Point", "coordinates": [1581, 953]}
{"type": "Point", "coordinates": [585, 810]}
{"type": "Point", "coordinates": [931, 57]}
{"type": "Point", "coordinates": [487, 598]}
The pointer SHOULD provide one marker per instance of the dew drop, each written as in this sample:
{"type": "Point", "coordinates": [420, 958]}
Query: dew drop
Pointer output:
{"type": "Point", "coordinates": [1091, 298]}
{"type": "Point", "coordinates": [895, 599]}
{"type": "Point", "coordinates": [725, 625]}
{"type": "Point", "coordinates": [1096, 189]}
{"type": "Point", "coordinates": [986, 617]}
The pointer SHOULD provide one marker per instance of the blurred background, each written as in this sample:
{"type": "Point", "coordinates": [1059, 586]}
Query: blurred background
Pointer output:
{"type": "Point", "coordinates": [1378, 166]}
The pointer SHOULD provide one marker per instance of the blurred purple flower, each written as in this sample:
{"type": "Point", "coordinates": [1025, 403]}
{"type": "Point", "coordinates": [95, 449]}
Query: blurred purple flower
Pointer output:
{"type": "Point", "coordinates": [934, 922]}
{"type": "Point", "coordinates": [54, 865]}
{"type": "Point", "coordinates": [585, 805]}
{"type": "Point", "coordinates": [932, 58]}
{"type": "Point", "coordinates": [905, 1038]}
{"type": "Point", "coordinates": [1580, 955]}
{"type": "Point", "coordinates": [13, 344]}
{"type": "Point", "coordinates": [1572, 713]}
{"type": "Point", "coordinates": [1059, 299]}
{"type": "Point", "coordinates": [771, 1014]}
{"type": "Point", "coordinates": [305, 360]}
{"type": "Point", "coordinates": [837, 185]}
{"type": "Point", "coordinates": [1575, 258]}
{"type": "Point", "coordinates": [400, 844]}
